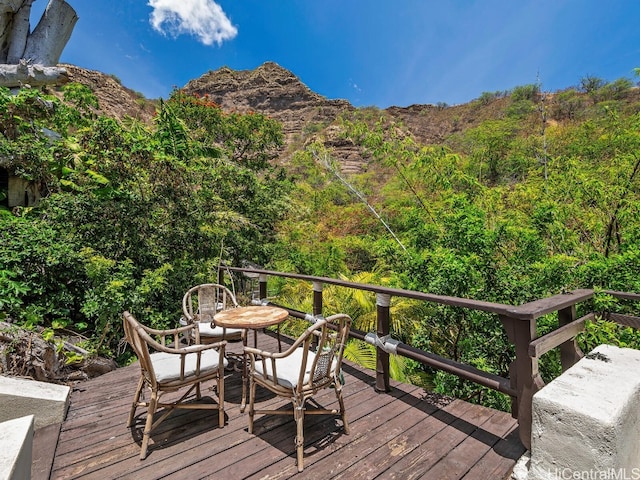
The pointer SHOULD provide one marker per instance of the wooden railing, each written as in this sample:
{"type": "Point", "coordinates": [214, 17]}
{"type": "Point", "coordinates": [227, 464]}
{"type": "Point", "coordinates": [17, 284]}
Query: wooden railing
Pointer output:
{"type": "Point", "coordinates": [519, 322]}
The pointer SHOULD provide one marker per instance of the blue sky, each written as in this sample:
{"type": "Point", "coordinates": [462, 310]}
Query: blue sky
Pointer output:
{"type": "Point", "coordinates": [370, 52]}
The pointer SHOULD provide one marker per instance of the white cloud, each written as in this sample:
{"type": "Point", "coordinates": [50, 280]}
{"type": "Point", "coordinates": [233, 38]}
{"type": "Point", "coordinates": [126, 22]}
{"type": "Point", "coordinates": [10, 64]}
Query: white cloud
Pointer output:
{"type": "Point", "coordinates": [202, 18]}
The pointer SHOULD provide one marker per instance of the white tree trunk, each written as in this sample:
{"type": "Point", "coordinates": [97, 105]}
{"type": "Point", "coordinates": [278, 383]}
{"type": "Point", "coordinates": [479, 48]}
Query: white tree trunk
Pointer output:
{"type": "Point", "coordinates": [48, 39]}
{"type": "Point", "coordinates": [10, 5]}
{"type": "Point", "coordinates": [8, 8]}
{"type": "Point", "coordinates": [31, 57]}
{"type": "Point", "coordinates": [19, 32]}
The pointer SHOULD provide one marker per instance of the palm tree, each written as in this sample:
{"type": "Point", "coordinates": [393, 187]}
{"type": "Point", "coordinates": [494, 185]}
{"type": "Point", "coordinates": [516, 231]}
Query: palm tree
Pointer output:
{"type": "Point", "coordinates": [360, 305]}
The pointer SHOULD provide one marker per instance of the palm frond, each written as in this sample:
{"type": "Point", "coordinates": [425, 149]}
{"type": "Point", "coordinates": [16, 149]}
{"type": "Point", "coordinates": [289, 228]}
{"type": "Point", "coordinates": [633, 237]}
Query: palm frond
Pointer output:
{"type": "Point", "coordinates": [361, 353]}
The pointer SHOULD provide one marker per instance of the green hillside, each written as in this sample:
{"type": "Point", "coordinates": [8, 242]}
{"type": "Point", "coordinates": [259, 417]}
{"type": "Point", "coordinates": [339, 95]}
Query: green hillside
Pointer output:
{"type": "Point", "coordinates": [539, 197]}
{"type": "Point", "coordinates": [543, 178]}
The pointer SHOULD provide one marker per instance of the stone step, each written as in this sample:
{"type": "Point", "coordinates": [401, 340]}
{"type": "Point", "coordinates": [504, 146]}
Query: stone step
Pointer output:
{"type": "Point", "coordinates": [19, 397]}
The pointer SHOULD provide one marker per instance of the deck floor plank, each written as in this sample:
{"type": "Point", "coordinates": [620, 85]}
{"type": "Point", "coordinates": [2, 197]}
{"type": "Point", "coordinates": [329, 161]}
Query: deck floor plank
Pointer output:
{"type": "Point", "coordinates": [497, 462]}
{"type": "Point", "coordinates": [430, 449]}
{"type": "Point", "coordinates": [406, 433]}
{"type": "Point", "coordinates": [459, 460]}
{"type": "Point", "coordinates": [342, 449]}
{"type": "Point", "coordinates": [323, 436]}
{"type": "Point", "coordinates": [273, 431]}
{"type": "Point", "coordinates": [404, 445]}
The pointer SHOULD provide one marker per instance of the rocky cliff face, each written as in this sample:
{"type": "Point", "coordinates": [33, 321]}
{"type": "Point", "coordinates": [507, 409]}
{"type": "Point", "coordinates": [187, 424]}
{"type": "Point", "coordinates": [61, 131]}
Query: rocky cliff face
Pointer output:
{"type": "Point", "coordinates": [305, 115]}
{"type": "Point", "coordinates": [114, 99]}
{"type": "Point", "coordinates": [270, 90]}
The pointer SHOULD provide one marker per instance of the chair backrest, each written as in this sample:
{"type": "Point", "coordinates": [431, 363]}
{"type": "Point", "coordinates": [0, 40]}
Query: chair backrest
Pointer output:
{"type": "Point", "coordinates": [332, 334]}
{"type": "Point", "coordinates": [134, 334]}
{"type": "Point", "coordinates": [146, 340]}
{"type": "Point", "coordinates": [202, 302]}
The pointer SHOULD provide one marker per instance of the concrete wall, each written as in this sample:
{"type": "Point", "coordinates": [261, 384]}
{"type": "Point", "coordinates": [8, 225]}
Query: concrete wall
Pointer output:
{"type": "Point", "coordinates": [25, 406]}
{"type": "Point", "coordinates": [16, 441]}
{"type": "Point", "coordinates": [586, 422]}
{"type": "Point", "coordinates": [22, 192]}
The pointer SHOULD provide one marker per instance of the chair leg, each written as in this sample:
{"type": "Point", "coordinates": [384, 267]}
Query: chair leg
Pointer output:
{"type": "Point", "coordinates": [245, 374]}
{"type": "Point", "coordinates": [343, 411]}
{"type": "Point", "coordinates": [136, 400]}
{"type": "Point", "coordinates": [221, 399]}
{"type": "Point", "coordinates": [252, 396]}
{"type": "Point", "coordinates": [153, 403]}
{"type": "Point", "coordinates": [298, 413]}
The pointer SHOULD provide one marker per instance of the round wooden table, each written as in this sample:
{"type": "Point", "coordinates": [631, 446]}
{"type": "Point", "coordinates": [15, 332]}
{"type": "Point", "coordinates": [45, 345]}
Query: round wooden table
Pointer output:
{"type": "Point", "coordinates": [251, 318]}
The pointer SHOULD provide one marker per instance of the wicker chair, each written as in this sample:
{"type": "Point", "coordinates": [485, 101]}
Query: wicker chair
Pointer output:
{"type": "Point", "coordinates": [173, 365]}
{"type": "Point", "coordinates": [201, 303]}
{"type": "Point", "coordinates": [289, 374]}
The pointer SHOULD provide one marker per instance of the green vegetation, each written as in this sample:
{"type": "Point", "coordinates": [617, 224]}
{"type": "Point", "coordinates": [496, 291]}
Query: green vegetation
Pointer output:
{"type": "Point", "coordinates": [506, 211]}
{"type": "Point", "coordinates": [135, 214]}
{"type": "Point", "coordinates": [541, 198]}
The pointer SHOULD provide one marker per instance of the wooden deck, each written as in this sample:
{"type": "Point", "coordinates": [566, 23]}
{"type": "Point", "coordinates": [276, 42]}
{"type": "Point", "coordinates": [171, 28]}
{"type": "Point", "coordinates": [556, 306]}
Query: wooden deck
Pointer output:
{"type": "Point", "coordinates": [405, 434]}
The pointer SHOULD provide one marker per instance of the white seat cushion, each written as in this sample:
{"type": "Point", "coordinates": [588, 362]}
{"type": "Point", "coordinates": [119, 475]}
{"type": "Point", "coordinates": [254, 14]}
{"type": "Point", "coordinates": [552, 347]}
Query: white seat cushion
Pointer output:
{"type": "Point", "coordinates": [167, 365]}
{"type": "Point", "coordinates": [288, 368]}
{"type": "Point", "coordinates": [206, 330]}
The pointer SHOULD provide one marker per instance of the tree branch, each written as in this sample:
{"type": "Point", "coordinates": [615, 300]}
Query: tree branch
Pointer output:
{"type": "Point", "coordinates": [13, 76]}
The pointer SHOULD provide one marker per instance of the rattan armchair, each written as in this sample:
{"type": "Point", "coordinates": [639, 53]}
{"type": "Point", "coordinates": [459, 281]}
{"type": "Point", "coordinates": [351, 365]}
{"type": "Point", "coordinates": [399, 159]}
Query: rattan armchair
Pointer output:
{"type": "Point", "coordinates": [169, 363]}
{"type": "Point", "coordinates": [311, 364]}
{"type": "Point", "coordinates": [201, 303]}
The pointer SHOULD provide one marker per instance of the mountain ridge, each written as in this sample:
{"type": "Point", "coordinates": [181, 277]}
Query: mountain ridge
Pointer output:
{"type": "Point", "coordinates": [307, 116]}
{"type": "Point", "coordinates": [269, 89]}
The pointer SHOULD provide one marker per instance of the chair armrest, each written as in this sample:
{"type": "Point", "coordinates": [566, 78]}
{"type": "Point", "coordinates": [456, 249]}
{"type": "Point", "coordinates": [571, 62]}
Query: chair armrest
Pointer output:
{"type": "Point", "coordinates": [147, 332]}
{"type": "Point", "coordinates": [202, 347]}
{"type": "Point", "coordinates": [299, 341]}
{"type": "Point", "coordinates": [255, 352]}
{"type": "Point", "coordinates": [188, 349]}
{"type": "Point", "coordinates": [266, 354]}
{"type": "Point", "coordinates": [175, 336]}
{"type": "Point", "coordinates": [165, 333]}
{"type": "Point", "coordinates": [196, 353]}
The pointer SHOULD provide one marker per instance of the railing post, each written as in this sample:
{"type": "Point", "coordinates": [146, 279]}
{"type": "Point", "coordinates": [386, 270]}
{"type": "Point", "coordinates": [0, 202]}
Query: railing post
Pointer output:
{"type": "Point", "coordinates": [383, 301]}
{"type": "Point", "coordinates": [570, 353]}
{"type": "Point", "coordinates": [317, 298]}
{"type": "Point", "coordinates": [523, 374]}
{"type": "Point", "coordinates": [262, 279]}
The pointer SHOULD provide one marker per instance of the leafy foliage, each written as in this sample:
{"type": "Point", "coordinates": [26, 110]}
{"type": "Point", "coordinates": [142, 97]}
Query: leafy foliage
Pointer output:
{"type": "Point", "coordinates": [539, 199]}
{"type": "Point", "coordinates": [499, 212]}
{"type": "Point", "coordinates": [135, 214]}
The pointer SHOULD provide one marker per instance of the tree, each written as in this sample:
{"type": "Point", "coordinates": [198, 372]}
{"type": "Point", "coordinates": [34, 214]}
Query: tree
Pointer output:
{"type": "Point", "coordinates": [591, 85]}
{"type": "Point", "coordinates": [133, 214]}
{"type": "Point", "coordinates": [30, 57]}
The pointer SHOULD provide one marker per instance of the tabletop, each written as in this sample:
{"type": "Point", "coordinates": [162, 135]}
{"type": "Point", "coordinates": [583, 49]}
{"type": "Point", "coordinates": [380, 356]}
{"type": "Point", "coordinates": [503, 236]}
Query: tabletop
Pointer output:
{"type": "Point", "coordinates": [250, 317]}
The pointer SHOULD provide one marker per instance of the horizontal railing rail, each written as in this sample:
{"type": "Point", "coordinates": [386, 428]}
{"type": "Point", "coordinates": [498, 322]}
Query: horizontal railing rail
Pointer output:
{"type": "Point", "coordinates": [519, 322]}
{"type": "Point", "coordinates": [462, 370]}
{"type": "Point", "coordinates": [555, 338]}
{"type": "Point", "coordinates": [428, 297]}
